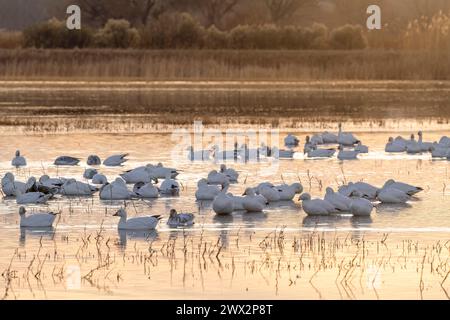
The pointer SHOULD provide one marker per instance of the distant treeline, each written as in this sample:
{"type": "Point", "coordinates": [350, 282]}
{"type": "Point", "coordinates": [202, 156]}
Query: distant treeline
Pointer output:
{"type": "Point", "coordinates": [182, 31]}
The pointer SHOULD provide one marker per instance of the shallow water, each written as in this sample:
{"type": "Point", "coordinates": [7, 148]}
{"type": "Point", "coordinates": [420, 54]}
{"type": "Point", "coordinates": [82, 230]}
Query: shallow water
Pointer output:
{"type": "Point", "coordinates": [400, 252]}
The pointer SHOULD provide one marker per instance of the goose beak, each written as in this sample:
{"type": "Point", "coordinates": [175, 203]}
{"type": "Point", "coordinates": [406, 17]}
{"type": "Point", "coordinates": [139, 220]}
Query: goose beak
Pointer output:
{"type": "Point", "coordinates": [116, 214]}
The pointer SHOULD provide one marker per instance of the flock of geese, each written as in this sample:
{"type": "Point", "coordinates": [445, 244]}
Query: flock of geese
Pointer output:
{"type": "Point", "coordinates": [357, 198]}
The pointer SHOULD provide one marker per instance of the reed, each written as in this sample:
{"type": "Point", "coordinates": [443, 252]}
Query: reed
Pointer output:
{"type": "Point", "coordinates": [238, 65]}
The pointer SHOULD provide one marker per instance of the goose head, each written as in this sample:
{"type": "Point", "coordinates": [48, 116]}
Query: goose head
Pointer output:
{"type": "Point", "coordinates": [297, 187]}
{"type": "Point", "coordinates": [249, 192]}
{"type": "Point", "coordinates": [307, 139]}
{"type": "Point", "coordinates": [22, 211]}
{"type": "Point", "coordinates": [202, 182]}
{"type": "Point", "coordinates": [391, 139]}
{"type": "Point", "coordinates": [329, 190]}
{"type": "Point", "coordinates": [18, 153]}
{"type": "Point", "coordinates": [223, 168]}
{"type": "Point", "coordinates": [44, 178]}
{"type": "Point", "coordinates": [412, 137]}
{"type": "Point", "coordinates": [120, 213]}
{"type": "Point", "coordinates": [9, 176]}
{"type": "Point", "coordinates": [173, 213]}
{"type": "Point", "coordinates": [341, 147]}
{"type": "Point", "coordinates": [305, 197]}
{"type": "Point", "coordinates": [388, 183]}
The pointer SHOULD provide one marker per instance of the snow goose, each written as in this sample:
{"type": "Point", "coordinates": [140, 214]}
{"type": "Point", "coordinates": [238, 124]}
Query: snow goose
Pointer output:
{"type": "Point", "coordinates": [200, 155]}
{"type": "Point", "coordinates": [206, 192]}
{"type": "Point", "coordinates": [99, 179]}
{"type": "Point", "coordinates": [288, 192]}
{"type": "Point", "coordinates": [180, 219]}
{"type": "Point", "coordinates": [316, 207]}
{"type": "Point", "coordinates": [392, 195]}
{"type": "Point", "coordinates": [346, 154]}
{"type": "Point", "coordinates": [146, 190]}
{"type": "Point", "coordinates": [115, 160]}
{"type": "Point", "coordinates": [117, 190]}
{"type": "Point", "coordinates": [220, 155]}
{"type": "Point", "coordinates": [76, 188]}
{"type": "Point", "coordinates": [316, 139]}
{"type": "Point", "coordinates": [329, 137]}
{"type": "Point", "coordinates": [36, 220]}
{"type": "Point", "coordinates": [45, 180]}
{"type": "Point", "coordinates": [94, 160]}
{"type": "Point", "coordinates": [346, 138]}
{"type": "Point", "coordinates": [412, 146]}
{"type": "Point", "coordinates": [424, 146]}
{"type": "Point", "coordinates": [394, 146]}
{"type": "Point", "coordinates": [365, 190]}
{"type": "Point", "coordinates": [282, 154]}
{"type": "Point", "coordinates": [223, 203]}
{"type": "Point", "coordinates": [315, 152]}
{"type": "Point", "coordinates": [339, 201]}
{"type": "Point", "coordinates": [66, 161]}
{"type": "Point", "coordinates": [308, 145]}
{"type": "Point", "coordinates": [140, 174]}
{"type": "Point", "coordinates": [230, 173]}
{"type": "Point", "coordinates": [361, 207]}
{"type": "Point", "coordinates": [270, 193]}
{"type": "Point", "coordinates": [445, 141]}
{"type": "Point", "coordinates": [439, 151]}
{"type": "Point", "coordinates": [291, 141]}
{"type": "Point", "coordinates": [251, 202]}
{"type": "Point", "coordinates": [18, 160]}
{"type": "Point", "coordinates": [170, 186]}
{"type": "Point", "coordinates": [10, 187]}
{"type": "Point", "coordinates": [406, 188]}
{"type": "Point", "coordinates": [137, 223]}
{"type": "Point", "coordinates": [89, 173]}
{"type": "Point", "coordinates": [161, 172]}
{"type": "Point", "coordinates": [32, 198]}
{"type": "Point", "coordinates": [217, 178]}
{"type": "Point", "coordinates": [360, 148]}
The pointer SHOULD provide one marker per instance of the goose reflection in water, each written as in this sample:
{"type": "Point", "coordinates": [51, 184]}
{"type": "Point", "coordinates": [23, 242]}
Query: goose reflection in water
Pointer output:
{"type": "Point", "coordinates": [36, 234]}
{"type": "Point", "coordinates": [137, 235]}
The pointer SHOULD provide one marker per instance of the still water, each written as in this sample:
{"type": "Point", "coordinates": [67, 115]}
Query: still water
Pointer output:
{"type": "Point", "coordinates": [400, 252]}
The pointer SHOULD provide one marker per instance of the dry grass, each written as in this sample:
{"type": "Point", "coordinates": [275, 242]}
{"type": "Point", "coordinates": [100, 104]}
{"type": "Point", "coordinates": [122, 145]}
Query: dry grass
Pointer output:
{"type": "Point", "coordinates": [10, 40]}
{"type": "Point", "coordinates": [96, 64]}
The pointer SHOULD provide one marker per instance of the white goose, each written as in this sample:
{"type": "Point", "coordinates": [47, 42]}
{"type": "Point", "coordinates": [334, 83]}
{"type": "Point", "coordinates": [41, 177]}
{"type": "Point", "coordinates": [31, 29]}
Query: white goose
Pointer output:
{"type": "Point", "coordinates": [361, 207]}
{"type": "Point", "coordinates": [99, 179]}
{"type": "Point", "coordinates": [217, 178]}
{"type": "Point", "coordinates": [18, 160]}
{"type": "Point", "coordinates": [117, 190]}
{"type": "Point", "coordinates": [115, 160]}
{"type": "Point", "coordinates": [170, 186]}
{"type": "Point", "coordinates": [66, 161]}
{"type": "Point", "coordinates": [316, 139]}
{"type": "Point", "coordinates": [138, 223]}
{"type": "Point", "coordinates": [238, 202]}
{"type": "Point", "coordinates": [270, 193]}
{"type": "Point", "coordinates": [180, 219]}
{"type": "Point", "coordinates": [89, 173]}
{"type": "Point", "coordinates": [161, 172]}
{"type": "Point", "coordinates": [316, 207]}
{"type": "Point", "coordinates": [32, 198]}
{"type": "Point", "coordinates": [76, 188]}
{"type": "Point", "coordinates": [45, 180]}
{"type": "Point", "coordinates": [346, 154]}
{"type": "Point", "coordinates": [10, 187]}
{"type": "Point", "coordinates": [412, 146]}
{"type": "Point", "coordinates": [392, 195]}
{"type": "Point", "coordinates": [251, 202]}
{"type": "Point", "coordinates": [339, 201]}
{"type": "Point", "coordinates": [445, 141]}
{"type": "Point", "coordinates": [395, 146]}
{"type": "Point", "coordinates": [406, 188]}
{"type": "Point", "coordinates": [360, 148]}
{"type": "Point", "coordinates": [288, 192]}
{"type": "Point", "coordinates": [146, 190]}
{"type": "Point", "coordinates": [346, 138]}
{"type": "Point", "coordinates": [223, 155]}
{"type": "Point", "coordinates": [94, 160]}
{"type": "Point", "coordinates": [329, 137]}
{"type": "Point", "coordinates": [36, 220]}
{"type": "Point", "coordinates": [232, 174]}
{"type": "Point", "coordinates": [206, 192]}
{"type": "Point", "coordinates": [141, 174]}
{"type": "Point", "coordinates": [314, 152]}
{"type": "Point", "coordinates": [424, 146]}
{"type": "Point", "coordinates": [291, 141]}
{"type": "Point", "coordinates": [282, 154]}
{"type": "Point", "coordinates": [223, 203]}
{"type": "Point", "coordinates": [365, 190]}
{"type": "Point", "coordinates": [439, 151]}
{"type": "Point", "coordinates": [200, 155]}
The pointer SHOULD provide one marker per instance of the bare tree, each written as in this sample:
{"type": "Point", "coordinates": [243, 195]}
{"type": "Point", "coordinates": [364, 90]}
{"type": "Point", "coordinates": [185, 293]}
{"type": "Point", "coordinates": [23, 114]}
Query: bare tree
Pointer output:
{"type": "Point", "coordinates": [283, 9]}
{"type": "Point", "coordinates": [213, 12]}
